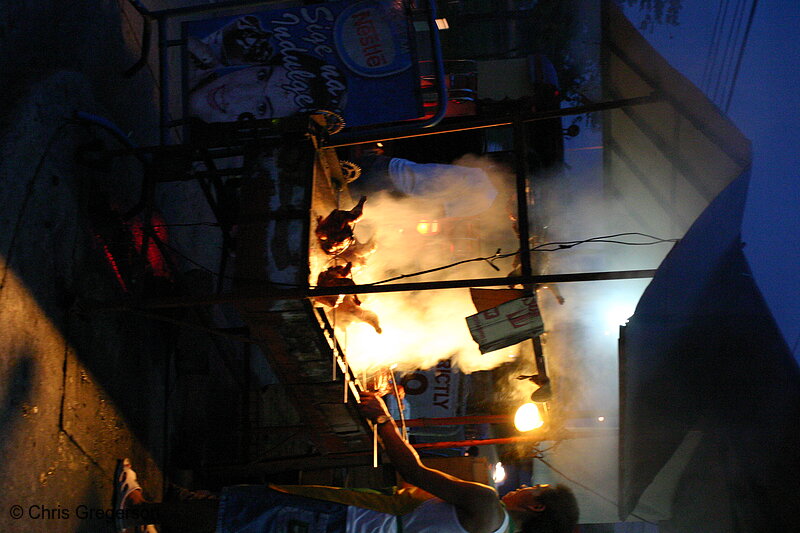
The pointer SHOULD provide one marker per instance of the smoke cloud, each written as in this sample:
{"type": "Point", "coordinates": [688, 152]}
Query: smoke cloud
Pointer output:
{"type": "Point", "coordinates": [422, 327]}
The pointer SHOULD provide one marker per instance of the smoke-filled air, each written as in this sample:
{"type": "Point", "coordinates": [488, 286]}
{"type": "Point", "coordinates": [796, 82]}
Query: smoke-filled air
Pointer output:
{"type": "Point", "coordinates": [411, 235]}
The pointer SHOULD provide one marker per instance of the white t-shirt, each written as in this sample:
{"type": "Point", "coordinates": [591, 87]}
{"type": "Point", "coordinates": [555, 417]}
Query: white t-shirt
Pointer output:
{"type": "Point", "coordinates": [463, 191]}
{"type": "Point", "coordinates": [431, 516]}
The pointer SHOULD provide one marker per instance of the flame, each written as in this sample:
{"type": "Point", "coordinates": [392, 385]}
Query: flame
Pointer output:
{"type": "Point", "coordinates": [417, 333]}
{"type": "Point", "coordinates": [424, 227]}
{"type": "Point", "coordinates": [419, 329]}
{"type": "Point", "coordinates": [528, 417]}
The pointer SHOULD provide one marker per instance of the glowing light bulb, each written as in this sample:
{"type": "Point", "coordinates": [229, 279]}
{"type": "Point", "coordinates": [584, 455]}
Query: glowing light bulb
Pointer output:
{"type": "Point", "coordinates": [499, 474]}
{"type": "Point", "coordinates": [528, 417]}
{"type": "Point", "coordinates": [428, 226]}
{"type": "Point", "coordinates": [601, 419]}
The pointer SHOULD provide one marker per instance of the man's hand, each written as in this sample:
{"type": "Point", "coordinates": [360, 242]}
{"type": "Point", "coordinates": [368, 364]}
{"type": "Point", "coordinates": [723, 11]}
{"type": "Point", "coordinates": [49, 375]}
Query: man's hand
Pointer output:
{"type": "Point", "coordinates": [479, 509]}
{"type": "Point", "coordinates": [372, 406]}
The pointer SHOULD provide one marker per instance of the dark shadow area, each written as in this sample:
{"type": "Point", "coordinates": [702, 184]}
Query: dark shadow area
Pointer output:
{"type": "Point", "coordinates": [17, 393]}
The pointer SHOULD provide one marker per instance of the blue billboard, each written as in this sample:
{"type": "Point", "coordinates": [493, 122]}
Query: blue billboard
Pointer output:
{"type": "Point", "coordinates": [355, 59]}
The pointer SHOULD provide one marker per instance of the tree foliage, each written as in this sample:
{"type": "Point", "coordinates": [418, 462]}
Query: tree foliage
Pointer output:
{"type": "Point", "coordinates": [655, 12]}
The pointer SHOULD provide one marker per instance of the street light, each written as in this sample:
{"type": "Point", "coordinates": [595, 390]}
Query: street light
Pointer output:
{"type": "Point", "coordinates": [528, 417]}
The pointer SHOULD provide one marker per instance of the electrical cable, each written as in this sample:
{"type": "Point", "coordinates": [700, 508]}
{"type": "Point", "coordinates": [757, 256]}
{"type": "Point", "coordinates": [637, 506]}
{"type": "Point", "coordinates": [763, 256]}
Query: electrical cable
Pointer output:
{"type": "Point", "coordinates": [545, 247]}
{"type": "Point", "coordinates": [213, 273]}
{"type": "Point", "coordinates": [578, 483]}
{"type": "Point", "coordinates": [734, 54]}
{"type": "Point", "coordinates": [137, 5]}
{"type": "Point", "coordinates": [729, 30]}
{"type": "Point", "coordinates": [736, 29]}
{"type": "Point", "coordinates": [713, 47]}
{"type": "Point", "coordinates": [741, 54]}
{"type": "Point", "coordinates": [716, 44]}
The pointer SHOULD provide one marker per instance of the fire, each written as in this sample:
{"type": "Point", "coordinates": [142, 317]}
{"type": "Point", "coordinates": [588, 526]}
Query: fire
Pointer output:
{"type": "Point", "coordinates": [424, 227]}
{"type": "Point", "coordinates": [421, 328]}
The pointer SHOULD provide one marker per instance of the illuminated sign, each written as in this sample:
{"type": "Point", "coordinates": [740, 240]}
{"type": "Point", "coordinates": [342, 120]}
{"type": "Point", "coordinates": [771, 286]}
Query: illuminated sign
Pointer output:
{"type": "Point", "coordinates": [355, 59]}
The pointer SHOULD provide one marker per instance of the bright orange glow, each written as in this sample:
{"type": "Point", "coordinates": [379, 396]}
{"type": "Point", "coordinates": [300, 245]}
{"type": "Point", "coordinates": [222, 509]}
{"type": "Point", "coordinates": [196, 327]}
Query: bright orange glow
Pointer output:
{"type": "Point", "coordinates": [528, 417]}
{"type": "Point", "coordinates": [424, 227]}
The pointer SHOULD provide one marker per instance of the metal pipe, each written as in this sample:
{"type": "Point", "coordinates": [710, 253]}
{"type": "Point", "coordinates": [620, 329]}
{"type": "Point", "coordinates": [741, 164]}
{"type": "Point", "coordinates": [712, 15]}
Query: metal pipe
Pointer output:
{"type": "Point", "coordinates": [210, 8]}
{"type": "Point", "coordinates": [523, 190]}
{"type": "Point", "coordinates": [458, 420]}
{"type": "Point", "coordinates": [535, 437]}
{"type": "Point", "coordinates": [163, 81]}
{"type": "Point", "coordinates": [266, 292]}
{"type": "Point", "coordinates": [353, 138]}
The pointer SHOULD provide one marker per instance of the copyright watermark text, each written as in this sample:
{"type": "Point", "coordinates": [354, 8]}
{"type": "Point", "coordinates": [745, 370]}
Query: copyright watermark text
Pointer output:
{"type": "Point", "coordinates": [81, 512]}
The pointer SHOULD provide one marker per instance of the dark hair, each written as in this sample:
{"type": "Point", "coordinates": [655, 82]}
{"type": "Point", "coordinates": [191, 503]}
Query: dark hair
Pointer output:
{"type": "Point", "coordinates": [560, 514]}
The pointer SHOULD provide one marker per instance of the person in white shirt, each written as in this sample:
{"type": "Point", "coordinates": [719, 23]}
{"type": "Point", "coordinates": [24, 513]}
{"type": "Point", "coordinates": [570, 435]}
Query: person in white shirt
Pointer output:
{"type": "Point", "coordinates": [454, 505]}
{"type": "Point", "coordinates": [460, 190]}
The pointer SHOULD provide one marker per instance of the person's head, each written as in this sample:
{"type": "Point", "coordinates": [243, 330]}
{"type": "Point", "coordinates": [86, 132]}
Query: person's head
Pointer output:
{"type": "Point", "coordinates": [278, 89]}
{"type": "Point", "coordinates": [244, 41]}
{"type": "Point", "coordinates": [543, 508]}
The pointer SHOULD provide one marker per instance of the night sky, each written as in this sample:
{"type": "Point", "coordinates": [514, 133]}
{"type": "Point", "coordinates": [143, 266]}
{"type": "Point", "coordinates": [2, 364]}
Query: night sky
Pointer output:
{"type": "Point", "coordinates": [765, 106]}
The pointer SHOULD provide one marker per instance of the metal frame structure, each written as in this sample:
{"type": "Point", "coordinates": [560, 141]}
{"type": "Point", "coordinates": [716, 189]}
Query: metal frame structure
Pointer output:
{"type": "Point", "coordinates": [224, 140]}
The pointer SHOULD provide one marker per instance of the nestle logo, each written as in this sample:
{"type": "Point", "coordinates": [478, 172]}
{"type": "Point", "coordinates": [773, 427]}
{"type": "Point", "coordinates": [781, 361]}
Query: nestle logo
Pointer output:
{"type": "Point", "coordinates": [370, 39]}
{"type": "Point", "coordinates": [368, 43]}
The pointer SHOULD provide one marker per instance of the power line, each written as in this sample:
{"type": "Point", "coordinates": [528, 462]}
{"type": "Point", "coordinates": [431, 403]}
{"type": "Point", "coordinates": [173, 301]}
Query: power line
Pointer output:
{"type": "Point", "coordinates": [585, 487]}
{"type": "Point", "coordinates": [721, 73]}
{"type": "Point", "coordinates": [732, 52]}
{"type": "Point", "coordinates": [723, 62]}
{"type": "Point", "coordinates": [717, 44]}
{"type": "Point", "coordinates": [741, 53]}
{"type": "Point", "coordinates": [545, 247]}
{"type": "Point", "coordinates": [553, 246]}
{"type": "Point", "coordinates": [713, 47]}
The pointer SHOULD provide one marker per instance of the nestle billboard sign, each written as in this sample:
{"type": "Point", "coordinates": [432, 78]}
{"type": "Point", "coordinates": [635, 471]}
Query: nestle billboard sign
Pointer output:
{"type": "Point", "coordinates": [352, 58]}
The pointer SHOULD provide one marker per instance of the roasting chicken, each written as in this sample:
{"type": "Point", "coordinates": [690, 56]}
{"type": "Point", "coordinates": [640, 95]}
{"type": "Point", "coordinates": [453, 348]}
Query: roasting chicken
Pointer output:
{"type": "Point", "coordinates": [347, 307]}
{"type": "Point", "coordinates": [358, 253]}
{"type": "Point", "coordinates": [335, 232]}
{"type": "Point", "coordinates": [350, 311]}
{"type": "Point", "coordinates": [335, 276]}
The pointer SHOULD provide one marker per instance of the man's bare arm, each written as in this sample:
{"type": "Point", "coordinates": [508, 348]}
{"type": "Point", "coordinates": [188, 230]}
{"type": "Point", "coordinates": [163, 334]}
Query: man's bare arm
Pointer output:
{"type": "Point", "coordinates": [478, 501]}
